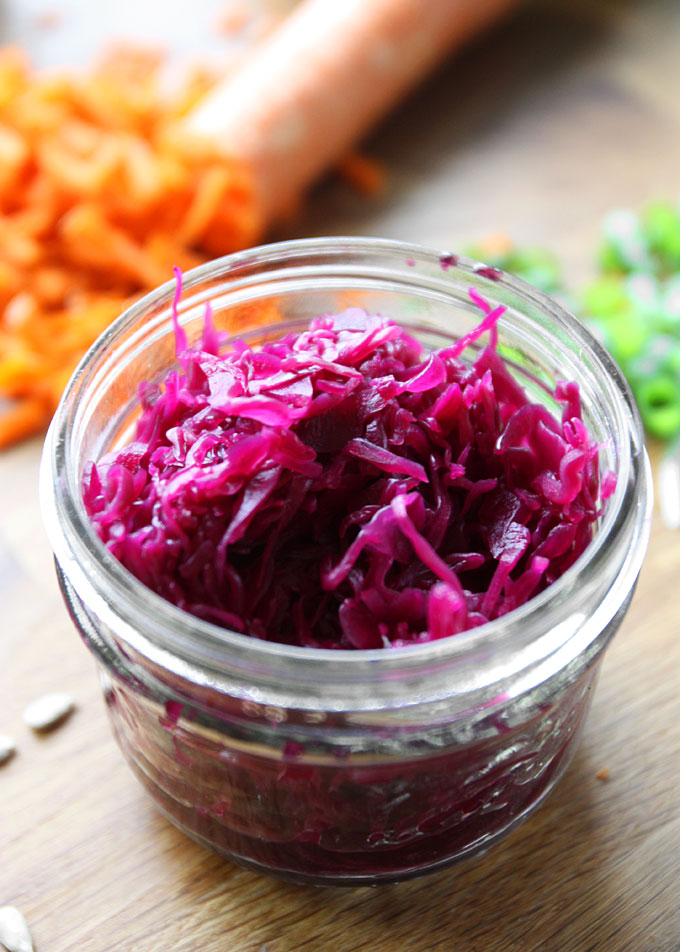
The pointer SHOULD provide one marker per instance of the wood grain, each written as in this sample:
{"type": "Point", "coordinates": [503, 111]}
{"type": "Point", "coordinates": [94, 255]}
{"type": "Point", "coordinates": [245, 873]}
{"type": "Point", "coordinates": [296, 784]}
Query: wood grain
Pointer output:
{"type": "Point", "coordinates": [558, 115]}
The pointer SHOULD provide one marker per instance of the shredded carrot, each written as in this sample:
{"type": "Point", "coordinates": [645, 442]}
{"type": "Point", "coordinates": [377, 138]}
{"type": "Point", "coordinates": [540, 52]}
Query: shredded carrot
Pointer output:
{"type": "Point", "coordinates": [496, 245]}
{"type": "Point", "coordinates": [48, 20]}
{"type": "Point", "coordinates": [233, 18]}
{"type": "Point", "coordinates": [21, 418]}
{"type": "Point", "coordinates": [99, 198]}
{"type": "Point", "coordinates": [363, 173]}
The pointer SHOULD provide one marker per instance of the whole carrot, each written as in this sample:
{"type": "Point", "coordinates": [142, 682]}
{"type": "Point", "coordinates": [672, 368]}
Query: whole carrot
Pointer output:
{"type": "Point", "coordinates": [323, 78]}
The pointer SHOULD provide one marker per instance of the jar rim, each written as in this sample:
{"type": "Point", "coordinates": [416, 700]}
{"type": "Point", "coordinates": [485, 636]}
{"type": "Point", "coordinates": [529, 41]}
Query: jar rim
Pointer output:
{"type": "Point", "coordinates": [627, 511]}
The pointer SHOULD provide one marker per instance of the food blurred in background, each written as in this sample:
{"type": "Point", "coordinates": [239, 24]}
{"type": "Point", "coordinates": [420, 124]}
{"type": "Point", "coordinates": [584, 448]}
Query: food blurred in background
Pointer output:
{"type": "Point", "coordinates": [104, 185]}
{"type": "Point", "coordinates": [98, 197]}
{"type": "Point", "coordinates": [632, 305]}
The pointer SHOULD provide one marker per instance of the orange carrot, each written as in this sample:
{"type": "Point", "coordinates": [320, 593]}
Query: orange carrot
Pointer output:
{"type": "Point", "coordinates": [20, 420]}
{"type": "Point", "coordinates": [306, 94]}
{"type": "Point", "coordinates": [99, 198]}
{"type": "Point", "coordinates": [364, 174]}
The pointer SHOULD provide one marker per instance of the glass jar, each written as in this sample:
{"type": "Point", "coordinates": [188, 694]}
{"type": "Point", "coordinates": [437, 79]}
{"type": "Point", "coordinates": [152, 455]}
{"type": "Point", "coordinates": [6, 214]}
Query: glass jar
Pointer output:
{"type": "Point", "coordinates": [346, 767]}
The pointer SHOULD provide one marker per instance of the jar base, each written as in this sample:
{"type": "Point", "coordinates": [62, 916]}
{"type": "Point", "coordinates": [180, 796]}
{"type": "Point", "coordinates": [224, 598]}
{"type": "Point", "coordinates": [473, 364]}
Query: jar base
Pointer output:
{"type": "Point", "coordinates": [363, 880]}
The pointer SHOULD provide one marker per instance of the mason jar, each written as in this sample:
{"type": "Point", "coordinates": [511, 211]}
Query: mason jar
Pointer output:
{"type": "Point", "coordinates": [346, 767]}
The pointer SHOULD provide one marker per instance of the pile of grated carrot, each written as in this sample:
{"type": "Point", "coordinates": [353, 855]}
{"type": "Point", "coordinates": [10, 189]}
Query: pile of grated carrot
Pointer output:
{"type": "Point", "coordinates": [99, 198]}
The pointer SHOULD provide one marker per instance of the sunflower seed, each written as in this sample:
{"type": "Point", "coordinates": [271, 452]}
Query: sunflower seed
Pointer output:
{"type": "Point", "coordinates": [7, 747]}
{"type": "Point", "coordinates": [14, 933]}
{"type": "Point", "coordinates": [48, 711]}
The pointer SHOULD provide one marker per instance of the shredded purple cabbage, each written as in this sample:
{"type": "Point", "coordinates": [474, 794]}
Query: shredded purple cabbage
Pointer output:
{"type": "Point", "coordinates": [340, 489]}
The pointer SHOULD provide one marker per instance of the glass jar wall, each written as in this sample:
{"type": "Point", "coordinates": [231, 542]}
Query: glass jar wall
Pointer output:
{"type": "Point", "coordinates": [346, 767]}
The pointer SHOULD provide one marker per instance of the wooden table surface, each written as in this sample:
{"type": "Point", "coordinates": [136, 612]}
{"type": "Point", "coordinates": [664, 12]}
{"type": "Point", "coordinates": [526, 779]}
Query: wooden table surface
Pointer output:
{"type": "Point", "coordinates": [568, 109]}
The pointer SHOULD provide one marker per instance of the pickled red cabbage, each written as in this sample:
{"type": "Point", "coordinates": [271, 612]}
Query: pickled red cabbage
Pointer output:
{"type": "Point", "coordinates": [340, 488]}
